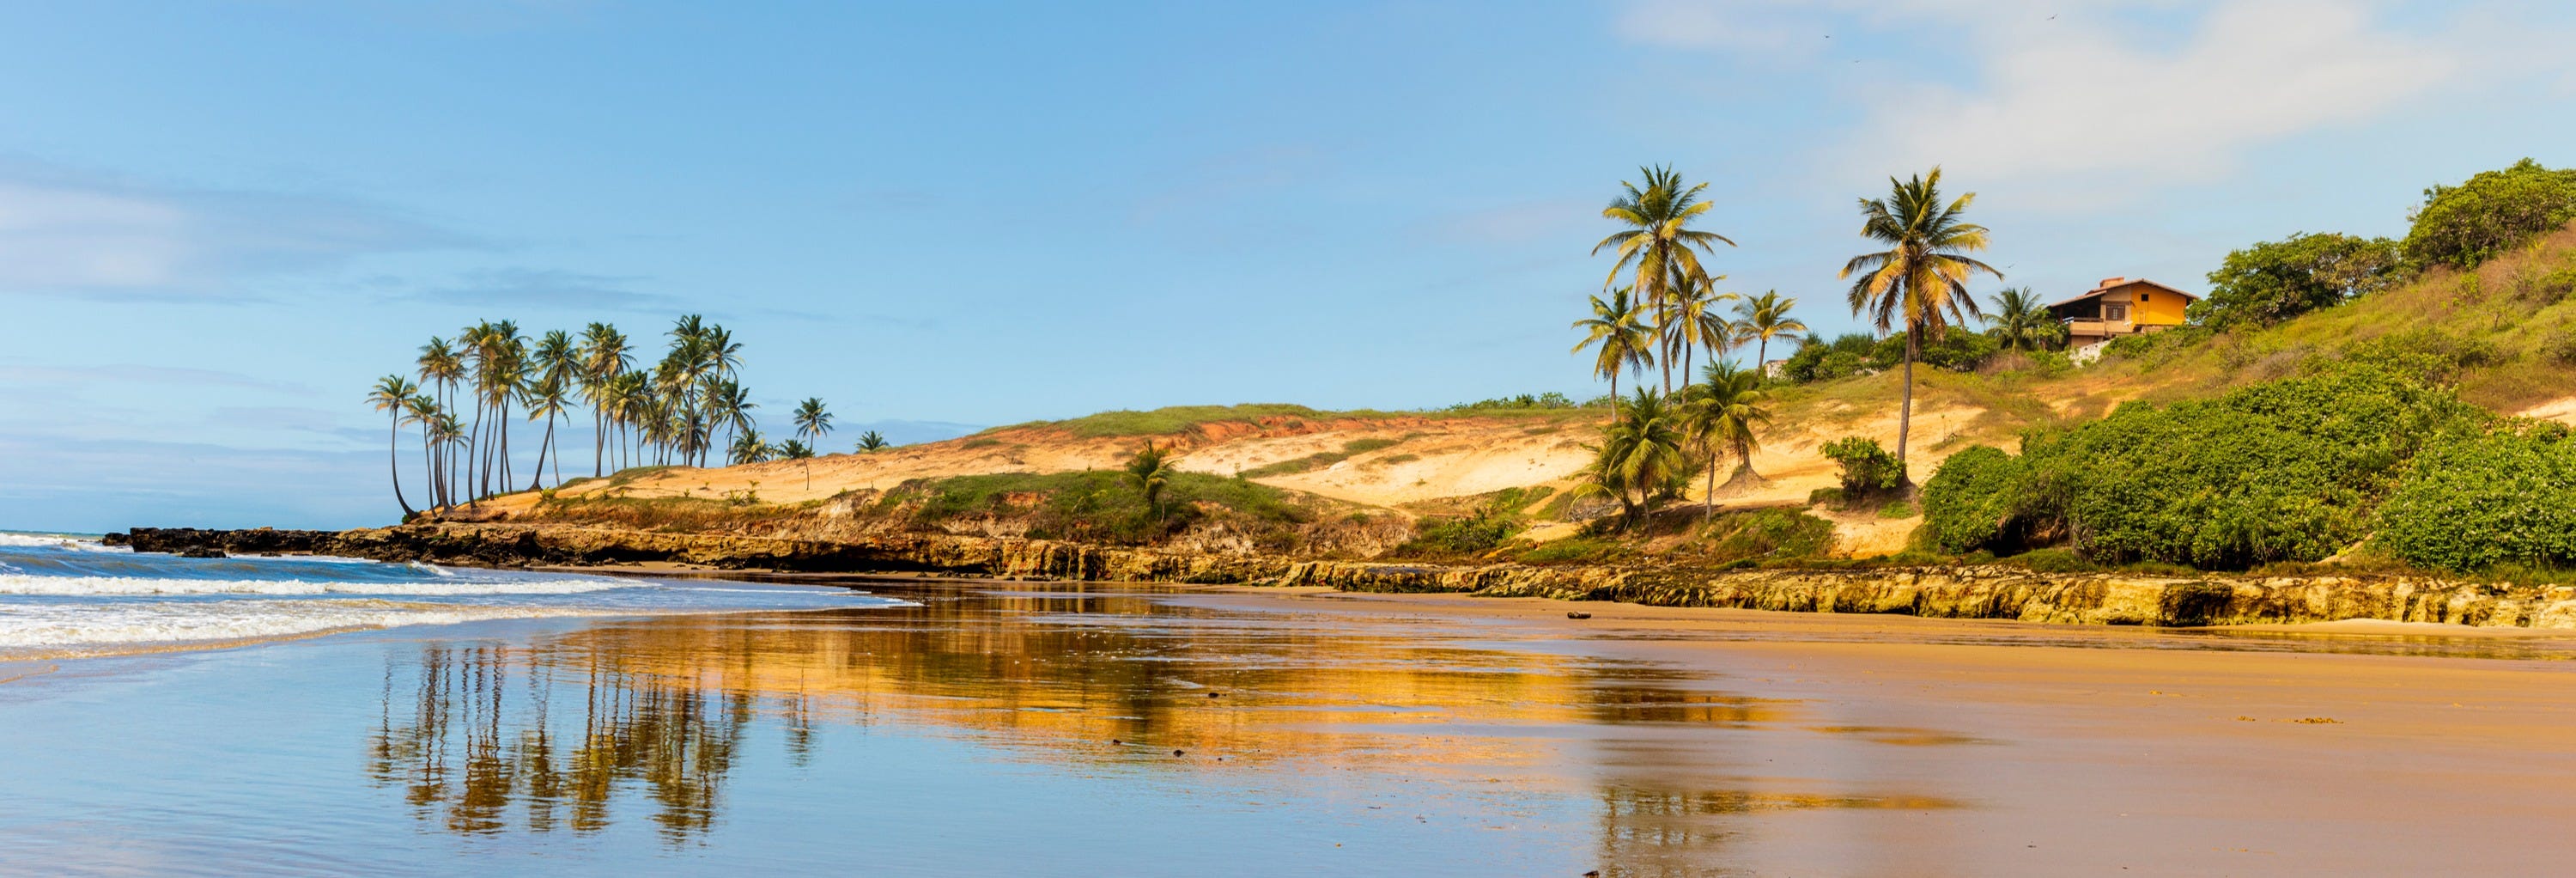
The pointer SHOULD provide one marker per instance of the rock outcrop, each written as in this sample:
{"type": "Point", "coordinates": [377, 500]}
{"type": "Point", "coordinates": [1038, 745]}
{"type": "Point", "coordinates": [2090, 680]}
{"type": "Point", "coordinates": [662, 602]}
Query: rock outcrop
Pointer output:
{"type": "Point", "coordinates": [1956, 592]}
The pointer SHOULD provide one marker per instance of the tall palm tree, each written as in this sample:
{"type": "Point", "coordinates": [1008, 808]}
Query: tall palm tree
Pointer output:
{"type": "Point", "coordinates": [1640, 460]}
{"type": "Point", "coordinates": [442, 367]}
{"type": "Point", "coordinates": [1920, 282]}
{"type": "Point", "coordinates": [729, 405]}
{"type": "Point", "coordinates": [447, 434]}
{"type": "Point", "coordinates": [1151, 469]}
{"type": "Point", "coordinates": [1658, 245]}
{"type": "Point", "coordinates": [547, 399]}
{"type": "Point", "coordinates": [2022, 321]}
{"type": "Point", "coordinates": [422, 409]}
{"type": "Point", "coordinates": [1618, 329]}
{"type": "Point", "coordinates": [811, 423]}
{"type": "Point", "coordinates": [1760, 318]}
{"type": "Point", "coordinates": [1691, 321]}
{"type": "Point", "coordinates": [1719, 413]}
{"type": "Point", "coordinates": [604, 355]}
{"type": "Point", "coordinates": [393, 394]}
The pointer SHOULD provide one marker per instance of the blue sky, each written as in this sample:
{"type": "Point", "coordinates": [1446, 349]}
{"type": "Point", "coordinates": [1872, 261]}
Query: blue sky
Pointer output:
{"type": "Point", "coordinates": [219, 222]}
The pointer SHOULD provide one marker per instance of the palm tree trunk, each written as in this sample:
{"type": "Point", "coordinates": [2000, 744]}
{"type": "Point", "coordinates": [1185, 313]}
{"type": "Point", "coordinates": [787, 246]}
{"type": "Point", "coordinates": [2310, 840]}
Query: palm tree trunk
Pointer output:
{"type": "Point", "coordinates": [1708, 501]}
{"type": "Point", "coordinates": [1762, 357]}
{"type": "Point", "coordinates": [393, 463]}
{"type": "Point", "coordinates": [598, 442]}
{"type": "Point", "coordinates": [1905, 413]}
{"type": "Point", "coordinates": [428, 467]}
{"type": "Point", "coordinates": [542, 445]}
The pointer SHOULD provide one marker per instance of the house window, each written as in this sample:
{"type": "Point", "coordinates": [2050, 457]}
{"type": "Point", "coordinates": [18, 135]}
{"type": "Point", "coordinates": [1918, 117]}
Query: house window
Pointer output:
{"type": "Point", "coordinates": [2115, 313]}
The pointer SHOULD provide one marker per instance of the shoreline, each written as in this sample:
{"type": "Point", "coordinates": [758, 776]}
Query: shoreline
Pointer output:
{"type": "Point", "coordinates": [1989, 591]}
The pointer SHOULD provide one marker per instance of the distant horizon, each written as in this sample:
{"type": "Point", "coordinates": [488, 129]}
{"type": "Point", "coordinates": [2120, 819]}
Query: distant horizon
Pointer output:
{"type": "Point", "coordinates": [1356, 206]}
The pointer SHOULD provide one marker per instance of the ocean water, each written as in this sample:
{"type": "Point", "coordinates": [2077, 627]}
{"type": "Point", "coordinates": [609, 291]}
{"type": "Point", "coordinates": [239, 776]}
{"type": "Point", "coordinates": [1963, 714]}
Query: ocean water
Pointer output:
{"type": "Point", "coordinates": [68, 596]}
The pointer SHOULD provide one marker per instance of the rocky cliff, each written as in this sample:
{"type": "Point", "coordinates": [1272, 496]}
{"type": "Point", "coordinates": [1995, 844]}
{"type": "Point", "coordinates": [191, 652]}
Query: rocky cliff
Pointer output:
{"type": "Point", "coordinates": [1958, 592]}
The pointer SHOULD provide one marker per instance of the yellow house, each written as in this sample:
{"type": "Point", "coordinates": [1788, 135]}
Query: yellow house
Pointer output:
{"type": "Point", "coordinates": [2120, 306]}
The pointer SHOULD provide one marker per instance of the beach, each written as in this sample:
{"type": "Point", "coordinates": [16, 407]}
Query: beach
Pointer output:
{"type": "Point", "coordinates": [962, 728]}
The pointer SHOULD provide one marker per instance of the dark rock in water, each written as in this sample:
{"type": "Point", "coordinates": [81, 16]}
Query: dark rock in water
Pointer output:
{"type": "Point", "coordinates": [201, 552]}
{"type": "Point", "coordinates": [1216, 695]}
{"type": "Point", "coordinates": [115, 539]}
{"type": "Point", "coordinates": [1577, 614]}
{"type": "Point", "coordinates": [1176, 752]}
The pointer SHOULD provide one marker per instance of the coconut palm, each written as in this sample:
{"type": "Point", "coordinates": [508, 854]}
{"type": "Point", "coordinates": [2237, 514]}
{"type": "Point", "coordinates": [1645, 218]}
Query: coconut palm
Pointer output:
{"type": "Point", "coordinates": [748, 447]}
{"type": "Point", "coordinates": [872, 441]}
{"type": "Point", "coordinates": [447, 434]}
{"type": "Point", "coordinates": [393, 394]}
{"type": "Point", "coordinates": [2022, 322]}
{"type": "Point", "coordinates": [547, 400]}
{"type": "Point", "coordinates": [1920, 282]}
{"type": "Point", "coordinates": [1658, 246]}
{"type": "Point", "coordinates": [422, 409]}
{"type": "Point", "coordinates": [1640, 460]}
{"type": "Point", "coordinates": [812, 422]}
{"type": "Point", "coordinates": [1762, 317]}
{"type": "Point", "coordinates": [1623, 340]}
{"type": "Point", "coordinates": [795, 450]}
{"type": "Point", "coordinates": [604, 355]}
{"type": "Point", "coordinates": [1151, 470]}
{"type": "Point", "coordinates": [1691, 321]}
{"type": "Point", "coordinates": [1719, 414]}
{"type": "Point", "coordinates": [729, 405]}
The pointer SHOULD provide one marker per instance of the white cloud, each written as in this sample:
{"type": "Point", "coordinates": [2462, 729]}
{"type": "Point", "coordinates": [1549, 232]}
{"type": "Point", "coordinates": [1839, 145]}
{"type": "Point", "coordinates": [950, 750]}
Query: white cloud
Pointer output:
{"type": "Point", "coordinates": [68, 234]}
{"type": "Point", "coordinates": [2081, 99]}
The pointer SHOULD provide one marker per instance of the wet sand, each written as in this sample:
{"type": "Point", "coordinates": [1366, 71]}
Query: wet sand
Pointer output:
{"type": "Point", "coordinates": [2332, 749]}
{"type": "Point", "coordinates": [1076, 729]}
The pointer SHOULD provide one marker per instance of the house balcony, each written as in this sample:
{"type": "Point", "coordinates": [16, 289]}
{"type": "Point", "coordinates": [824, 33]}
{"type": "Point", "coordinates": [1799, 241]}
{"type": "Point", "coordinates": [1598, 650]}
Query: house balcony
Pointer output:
{"type": "Point", "coordinates": [2084, 328]}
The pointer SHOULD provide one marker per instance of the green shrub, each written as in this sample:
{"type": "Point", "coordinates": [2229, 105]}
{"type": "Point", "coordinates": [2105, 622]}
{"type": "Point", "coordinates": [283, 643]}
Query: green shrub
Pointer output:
{"type": "Point", "coordinates": [2426, 353]}
{"type": "Point", "coordinates": [2276, 280]}
{"type": "Point", "coordinates": [2470, 223]}
{"type": "Point", "coordinates": [1969, 501]}
{"type": "Point", "coordinates": [1764, 534]}
{"type": "Point", "coordinates": [1572, 550]}
{"type": "Point", "coordinates": [2052, 561]}
{"type": "Point", "coordinates": [1866, 467]}
{"type": "Point", "coordinates": [2474, 502]}
{"type": "Point", "coordinates": [1898, 510]}
{"type": "Point", "coordinates": [2290, 470]}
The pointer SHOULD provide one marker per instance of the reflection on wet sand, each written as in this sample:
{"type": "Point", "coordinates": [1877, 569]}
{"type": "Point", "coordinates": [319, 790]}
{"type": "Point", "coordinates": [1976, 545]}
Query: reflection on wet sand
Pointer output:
{"type": "Point", "coordinates": [549, 736]}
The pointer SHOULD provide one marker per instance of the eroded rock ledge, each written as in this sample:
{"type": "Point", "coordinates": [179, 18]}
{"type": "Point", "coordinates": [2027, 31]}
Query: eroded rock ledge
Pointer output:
{"type": "Point", "coordinates": [1958, 592]}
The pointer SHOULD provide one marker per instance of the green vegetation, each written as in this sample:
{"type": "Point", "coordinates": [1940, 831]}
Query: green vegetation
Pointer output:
{"type": "Point", "coordinates": [1098, 506]}
{"type": "Point", "coordinates": [1767, 535]}
{"type": "Point", "coordinates": [2291, 470]}
{"type": "Point", "coordinates": [1663, 252]}
{"type": "Point", "coordinates": [1719, 414]}
{"type": "Point", "coordinates": [1486, 527]}
{"type": "Point", "coordinates": [2465, 225]}
{"type": "Point", "coordinates": [1920, 281]}
{"type": "Point", "coordinates": [1174, 420]}
{"type": "Point", "coordinates": [1549, 401]}
{"type": "Point", "coordinates": [872, 441]}
{"type": "Point", "coordinates": [1151, 470]}
{"type": "Point", "coordinates": [1639, 462]}
{"type": "Point", "coordinates": [2276, 280]}
{"type": "Point", "coordinates": [2022, 321]}
{"type": "Point", "coordinates": [1867, 470]}
{"type": "Point", "coordinates": [2496, 497]}
{"type": "Point", "coordinates": [680, 411]}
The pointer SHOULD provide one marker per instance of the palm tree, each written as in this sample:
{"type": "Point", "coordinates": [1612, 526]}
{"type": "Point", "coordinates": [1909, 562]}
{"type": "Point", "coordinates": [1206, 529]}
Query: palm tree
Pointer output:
{"type": "Point", "coordinates": [1658, 244]}
{"type": "Point", "coordinates": [2023, 322]}
{"type": "Point", "coordinates": [729, 405]}
{"type": "Point", "coordinates": [393, 394]}
{"type": "Point", "coordinates": [1719, 414]}
{"type": "Point", "coordinates": [1151, 469]}
{"type": "Point", "coordinates": [604, 356]}
{"type": "Point", "coordinates": [811, 423]}
{"type": "Point", "coordinates": [447, 434]}
{"type": "Point", "coordinates": [872, 441]}
{"type": "Point", "coordinates": [1618, 327]}
{"type": "Point", "coordinates": [1639, 461]}
{"type": "Point", "coordinates": [442, 367]}
{"type": "Point", "coordinates": [1691, 321]}
{"type": "Point", "coordinates": [795, 450]}
{"type": "Point", "coordinates": [422, 409]}
{"type": "Point", "coordinates": [748, 447]}
{"type": "Point", "coordinates": [1921, 279]}
{"type": "Point", "coordinates": [1761, 317]}
{"type": "Point", "coordinates": [547, 400]}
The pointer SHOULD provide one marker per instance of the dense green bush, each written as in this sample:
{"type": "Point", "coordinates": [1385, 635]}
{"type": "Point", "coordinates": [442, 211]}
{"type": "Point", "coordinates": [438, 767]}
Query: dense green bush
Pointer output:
{"type": "Point", "coordinates": [1971, 498]}
{"type": "Point", "coordinates": [2290, 470]}
{"type": "Point", "coordinates": [1842, 357]}
{"type": "Point", "coordinates": [2502, 497]}
{"type": "Point", "coordinates": [1771, 534]}
{"type": "Point", "coordinates": [2276, 280]}
{"type": "Point", "coordinates": [2470, 223]}
{"type": "Point", "coordinates": [2426, 353]}
{"type": "Point", "coordinates": [1866, 467]}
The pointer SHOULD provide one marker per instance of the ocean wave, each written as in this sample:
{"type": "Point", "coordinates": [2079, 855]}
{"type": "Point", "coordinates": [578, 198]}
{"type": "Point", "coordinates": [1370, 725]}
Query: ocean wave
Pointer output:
{"type": "Point", "coordinates": [104, 586]}
{"type": "Point", "coordinates": [57, 541]}
{"type": "Point", "coordinates": [75, 626]}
